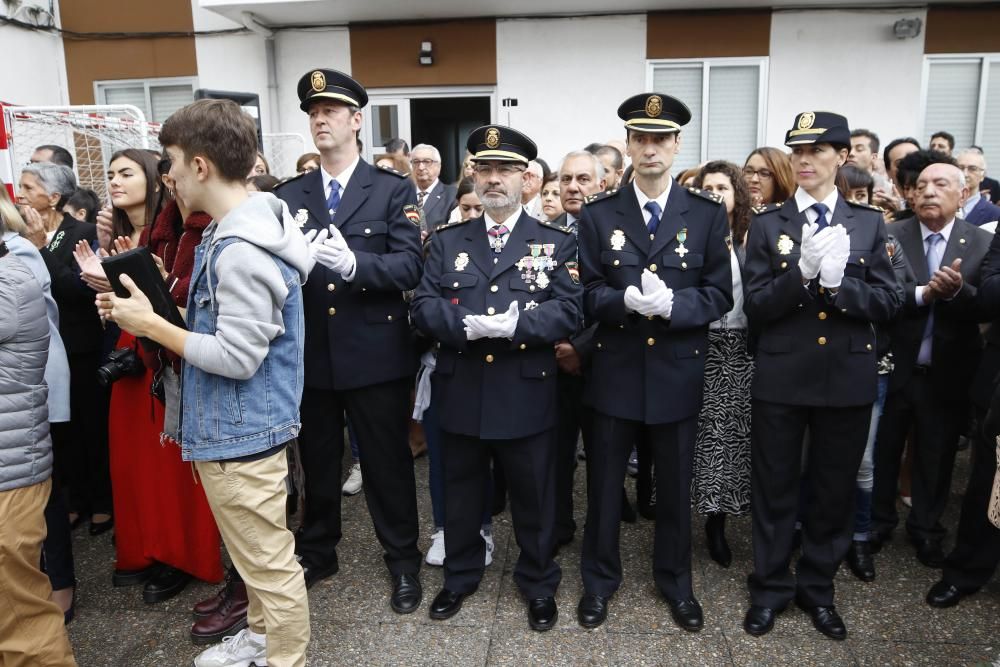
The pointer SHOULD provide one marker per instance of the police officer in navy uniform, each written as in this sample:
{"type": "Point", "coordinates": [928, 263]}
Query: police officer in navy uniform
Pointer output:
{"type": "Point", "coordinates": [817, 276]}
{"type": "Point", "coordinates": [654, 261]}
{"type": "Point", "coordinates": [359, 358]}
{"type": "Point", "coordinates": [497, 292]}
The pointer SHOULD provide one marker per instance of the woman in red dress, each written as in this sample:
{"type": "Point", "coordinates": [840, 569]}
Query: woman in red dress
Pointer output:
{"type": "Point", "coordinates": [165, 532]}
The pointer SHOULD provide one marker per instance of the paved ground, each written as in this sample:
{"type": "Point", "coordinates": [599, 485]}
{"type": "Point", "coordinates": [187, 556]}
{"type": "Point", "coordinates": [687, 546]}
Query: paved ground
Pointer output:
{"type": "Point", "coordinates": [888, 621]}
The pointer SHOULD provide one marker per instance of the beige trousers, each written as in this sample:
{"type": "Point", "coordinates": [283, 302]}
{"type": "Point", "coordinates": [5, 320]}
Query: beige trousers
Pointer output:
{"type": "Point", "coordinates": [31, 626]}
{"type": "Point", "coordinates": [248, 501]}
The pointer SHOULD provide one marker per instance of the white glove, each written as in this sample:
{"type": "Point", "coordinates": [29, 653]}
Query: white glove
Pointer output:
{"type": "Point", "coordinates": [633, 299]}
{"type": "Point", "coordinates": [662, 303]}
{"type": "Point", "coordinates": [655, 299]}
{"type": "Point", "coordinates": [835, 260]}
{"type": "Point", "coordinates": [492, 326]}
{"type": "Point", "coordinates": [335, 255]}
{"type": "Point", "coordinates": [809, 260]}
{"type": "Point", "coordinates": [651, 283]}
{"type": "Point", "coordinates": [313, 242]}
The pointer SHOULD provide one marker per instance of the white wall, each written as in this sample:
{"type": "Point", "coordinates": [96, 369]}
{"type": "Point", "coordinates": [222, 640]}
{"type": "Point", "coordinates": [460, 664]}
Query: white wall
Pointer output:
{"type": "Point", "coordinates": [43, 81]}
{"type": "Point", "coordinates": [301, 51]}
{"type": "Point", "coordinates": [849, 62]}
{"type": "Point", "coordinates": [569, 76]}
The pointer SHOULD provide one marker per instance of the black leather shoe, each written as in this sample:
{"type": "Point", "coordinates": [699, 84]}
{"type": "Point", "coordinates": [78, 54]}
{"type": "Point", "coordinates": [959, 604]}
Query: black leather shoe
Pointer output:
{"type": "Point", "coordinates": [687, 614]}
{"type": "Point", "coordinates": [406, 594]}
{"type": "Point", "coordinates": [943, 595]}
{"type": "Point", "coordinates": [165, 584]}
{"type": "Point", "coordinates": [759, 620]}
{"type": "Point", "coordinates": [134, 577]}
{"type": "Point", "coordinates": [718, 547]}
{"type": "Point", "coordinates": [542, 614]}
{"type": "Point", "coordinates": [930, 553]}
{"type": "Point", "coordinates": [100, 527]}
{"type": "Point", "coordinates": [592, 610]}
{"type": "Point", "coordinates": [827, 621]}
{"type": "Point", "coordinates": [314, 573]}
{"type": "Point", "coordinates": [879, 537]}
{"type": "Point", "coordinates": [446, 604]}
{"type": "Point", "coordinates": [859, 559]}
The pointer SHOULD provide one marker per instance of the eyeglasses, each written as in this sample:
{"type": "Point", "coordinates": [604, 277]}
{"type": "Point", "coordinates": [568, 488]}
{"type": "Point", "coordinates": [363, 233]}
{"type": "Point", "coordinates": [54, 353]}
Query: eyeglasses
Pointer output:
{"type": "Point", "coordinates": [503, 169]}
{"type": "Point", "coordinates": [762, 174]}
{"type": "Point", "coordinates": [971, 169]}
{"type": "Point", "coordinates": [422, 163]}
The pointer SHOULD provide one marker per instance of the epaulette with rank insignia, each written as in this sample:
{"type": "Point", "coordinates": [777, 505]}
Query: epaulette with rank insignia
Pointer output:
{"type": "Point", "coordinates": [449, 225]}
{"type": "Point", "coordinates": [711, 196]}
{"type": "Point", "coordinates": [290, 179]}
{"type": "Point", "coordinates": [872, 207]}
{"type": "Point", "coordinates": [559, 228]}
{"type": "Point", "coordinates": [598, 196]}
{"type": "Point", "coordinates": [394, 172]}
{"type": "Point", "coordinates": [765, 208]}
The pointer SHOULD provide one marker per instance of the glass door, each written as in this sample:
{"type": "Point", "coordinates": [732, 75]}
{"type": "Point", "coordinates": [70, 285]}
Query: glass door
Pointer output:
{"type": "Point", "coordinates": [385, 118]}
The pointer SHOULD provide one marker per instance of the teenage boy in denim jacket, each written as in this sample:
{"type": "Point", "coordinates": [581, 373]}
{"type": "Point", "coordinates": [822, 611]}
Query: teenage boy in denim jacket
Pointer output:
{"type": "Point", "coordinates": [242, 376]}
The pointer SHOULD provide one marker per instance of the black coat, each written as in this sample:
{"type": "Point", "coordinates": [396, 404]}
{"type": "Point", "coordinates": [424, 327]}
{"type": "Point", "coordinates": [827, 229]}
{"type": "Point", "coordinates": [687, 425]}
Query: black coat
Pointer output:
{"type": "Point", "coordinates": [357, 334]}
{"type": "Point", "coordinates": [496, 388]}
{"type": "Point", "coordinates": [815, 348]}
{"type": "Point", "coordinates": [79, 324]}
{"type": "Point", "coordinates": [438, 205]}
{"type": "Point", "coordinates": [643, 369]}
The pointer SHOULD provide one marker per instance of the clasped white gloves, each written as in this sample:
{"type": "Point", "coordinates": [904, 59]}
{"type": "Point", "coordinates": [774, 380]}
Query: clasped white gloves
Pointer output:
{"type": "Point", "coordinates": [492, 326]}
{"type": "Point", "coordinates": [831, 272]}
{"type": "Point", "coordinates": [655, 299]}
{"type": "Point", "coordinates": [332, 252]}
{"type": "Point", "coordinates": [813, 247]}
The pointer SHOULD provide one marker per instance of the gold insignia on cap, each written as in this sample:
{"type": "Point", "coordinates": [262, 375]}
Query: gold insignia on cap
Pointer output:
{"type": "Point", "coordinates": [492, 137]}
{"type": "Point", "coordinates": [806, 120]}
{"type": "Point", "coordinates": [654, 105]}
{"type": "Point", "coordinates": [318, 81]}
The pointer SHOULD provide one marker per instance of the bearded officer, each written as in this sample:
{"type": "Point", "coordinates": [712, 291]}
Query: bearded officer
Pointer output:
{"type": "Point", "coordinates": [654, 261]}
{"type": "Point", "coordinates": [498, 291]}
{"type": "Point", "coordinates": [358, 355]}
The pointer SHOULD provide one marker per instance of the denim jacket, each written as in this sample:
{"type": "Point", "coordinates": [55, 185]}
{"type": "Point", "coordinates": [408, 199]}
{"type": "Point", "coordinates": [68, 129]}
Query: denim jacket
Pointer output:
{"type": "Point", "coordinates": [222, 417]}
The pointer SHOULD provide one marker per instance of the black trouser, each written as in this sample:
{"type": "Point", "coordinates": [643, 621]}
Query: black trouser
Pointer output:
{"type": "Point", "coordinates": [937, 425]}
{"type": "Point", "coordinates": [672, 448]}
{"type": "Point", "coordinates": [529, 466]}
{"type": "Point", "coordinates": [976, 555]}
{"type": "Point", "coordinates": [837, 440]}
{"type": "Point", "coordinates": [379, 415]}
{"type": "Point", "coordinates": [84, 467]}
{"type": "Point", "coordinates": [574, 418]}
{"type": "Point", "coordinates": [57, 549]}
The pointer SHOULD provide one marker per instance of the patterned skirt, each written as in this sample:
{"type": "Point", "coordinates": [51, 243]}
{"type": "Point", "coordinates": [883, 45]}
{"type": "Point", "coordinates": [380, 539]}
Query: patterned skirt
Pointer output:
{"type": "Point", "coordinates": [721, 480]}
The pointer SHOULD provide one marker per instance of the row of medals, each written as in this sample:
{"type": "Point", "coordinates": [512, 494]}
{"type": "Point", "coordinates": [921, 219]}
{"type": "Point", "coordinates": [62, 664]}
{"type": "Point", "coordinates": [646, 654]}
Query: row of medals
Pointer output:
{"type": "Point", "coordinates": [532, 266]}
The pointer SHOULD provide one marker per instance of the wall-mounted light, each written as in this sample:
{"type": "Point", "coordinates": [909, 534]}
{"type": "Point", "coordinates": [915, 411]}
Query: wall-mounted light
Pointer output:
{"type": "Point", "coordinates": [907, 28]}
{"type": "Point", "coordinates": [426, 53]}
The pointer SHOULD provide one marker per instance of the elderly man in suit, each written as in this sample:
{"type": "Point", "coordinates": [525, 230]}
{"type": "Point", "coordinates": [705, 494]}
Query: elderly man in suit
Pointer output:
{"type": "Point", "coordinates": [977, 209]}
{"type": "Point", "coordinates": [434, 198]}
{"type": "Point", "coordinates": [936, 347]}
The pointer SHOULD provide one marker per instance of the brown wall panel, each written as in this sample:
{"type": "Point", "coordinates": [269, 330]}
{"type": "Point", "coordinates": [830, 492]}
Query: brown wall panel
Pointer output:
{"type": "Point", "coordinates": [126, 16]}
{"type": "Point", "coordinates": [963, 29]}
{"type": "Point", "coordinates": [708, 34]}
{"type": "Point", "coordinates": [388, 55]}
{"type": "Point", "coordinates": [91, 61]}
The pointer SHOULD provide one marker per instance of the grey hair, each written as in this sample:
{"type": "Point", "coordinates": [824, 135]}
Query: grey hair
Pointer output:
{"type": "Point", "coordinates": [536, 169]}
{"type": "Point", "coordinates": [971, 151]}
{"type": "Point", "coordinates": [599, 171]}
{"type": "Point", "coordinates": [427, 147]}
{"type": "Point", "coordinates": [55, 179]}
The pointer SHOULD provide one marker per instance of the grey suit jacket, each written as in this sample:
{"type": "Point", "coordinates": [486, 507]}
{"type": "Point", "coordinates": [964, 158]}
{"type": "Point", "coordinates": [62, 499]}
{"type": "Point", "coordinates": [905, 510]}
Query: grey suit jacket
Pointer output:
{"type": "Point", "coordinates": [438, 204]}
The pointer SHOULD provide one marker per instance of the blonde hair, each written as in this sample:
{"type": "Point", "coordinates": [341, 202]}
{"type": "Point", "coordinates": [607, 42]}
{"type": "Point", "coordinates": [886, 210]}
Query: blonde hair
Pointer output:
{"type": "Point", "coordinates": [10, 217]}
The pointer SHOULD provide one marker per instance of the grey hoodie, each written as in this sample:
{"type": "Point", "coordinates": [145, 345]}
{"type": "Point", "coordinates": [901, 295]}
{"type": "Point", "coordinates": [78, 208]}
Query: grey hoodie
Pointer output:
{"type": "Point", "coordinates": [250, 292]}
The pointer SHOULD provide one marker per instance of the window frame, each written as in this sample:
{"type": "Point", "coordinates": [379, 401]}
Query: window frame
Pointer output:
{"type": "Point", "coordinates": [984, 60]}
{"type": "Point", "coordinates": [102, 86]}
{"type": "Point", "coordinates": [706, 64]}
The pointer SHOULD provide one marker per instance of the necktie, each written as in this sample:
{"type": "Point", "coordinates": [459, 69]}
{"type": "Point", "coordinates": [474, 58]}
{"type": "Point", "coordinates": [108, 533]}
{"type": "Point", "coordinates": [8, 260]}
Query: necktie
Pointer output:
{"type": "Point", "coordinates": [935, 250]}
{"type": "Point", "coordinates": [498, 234]}
{"type": "Point", "coordinates": [654, 216]}
{"type": "Point", "coordinates": [821, 211]}
{"type": "Point", "coordinates": [421, 197]}
{"type": "Point", "coordinates": [333, 201]}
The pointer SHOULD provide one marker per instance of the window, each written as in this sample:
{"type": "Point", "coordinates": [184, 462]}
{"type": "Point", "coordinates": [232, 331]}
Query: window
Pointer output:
{"type": "Point", "coordinates": [726, 97]}
{"type": "Point", "coordinates": [962, 96]}
{"type": "Point", "coordinates": [156, 98]}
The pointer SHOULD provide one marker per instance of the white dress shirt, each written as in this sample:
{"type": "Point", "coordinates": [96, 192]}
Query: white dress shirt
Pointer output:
{"type": "Point", "coordinates": [342, 178]}
{"type": "Point", "coordinates": [924, 234]}
{"type": "Point", "coordinates": [804, 201]}
{"type": "Point", "coordinates": [661, 200]}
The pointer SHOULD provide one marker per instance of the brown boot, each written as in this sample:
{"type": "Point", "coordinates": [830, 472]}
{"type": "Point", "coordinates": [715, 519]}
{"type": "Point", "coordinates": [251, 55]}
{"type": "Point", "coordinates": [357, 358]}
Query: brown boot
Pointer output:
{"type": "Point", "coordinates": [418, 441]}
{"type": "Point", "coordinates": [228, 618]}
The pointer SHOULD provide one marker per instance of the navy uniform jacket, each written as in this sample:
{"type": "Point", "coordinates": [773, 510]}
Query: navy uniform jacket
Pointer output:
{"type": "Point", "coordinates": [357, 334]}
{"type": "Point", "coordinates": [814, 348]}
{"type": "Point", "coordinates": [956, 343]}
{"type": "Point", "coordinates": [496, 389]}
{"type": "Point", "coordinates": [651, 369]}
